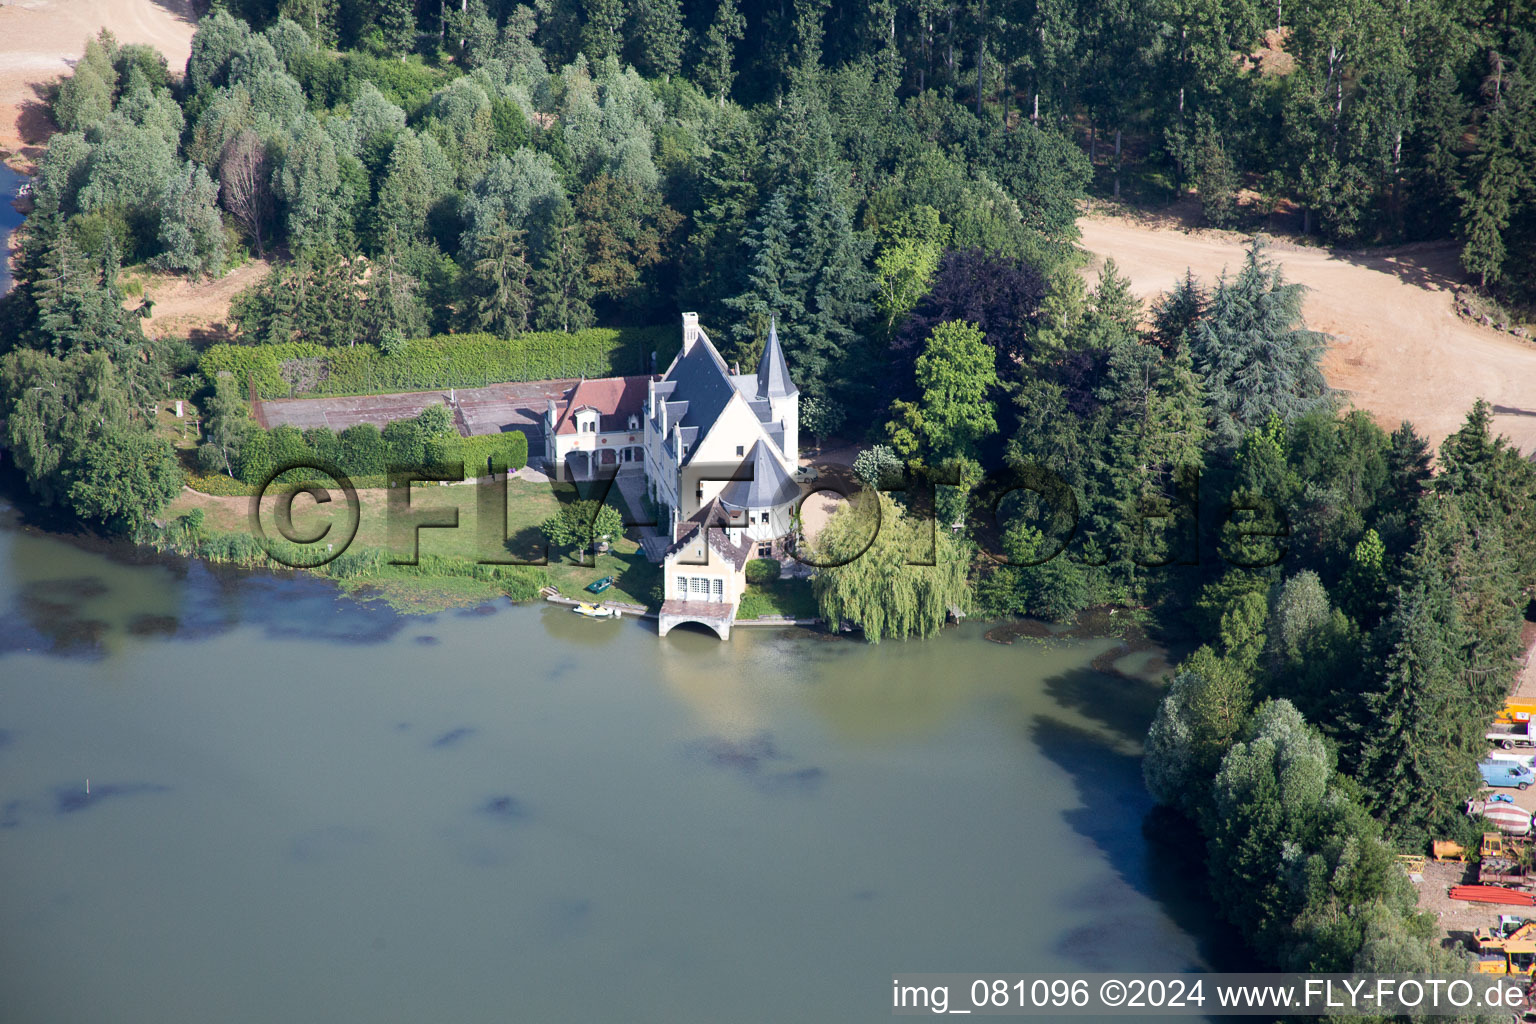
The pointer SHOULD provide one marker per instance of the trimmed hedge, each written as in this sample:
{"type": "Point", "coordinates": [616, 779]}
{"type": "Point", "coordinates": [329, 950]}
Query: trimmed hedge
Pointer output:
{"type": "Point", "coordinates": [511, 447]}
{"type": "Point", "coordinates": [400, 447]}
{"type": "Point", "coordinates": [446, 360]}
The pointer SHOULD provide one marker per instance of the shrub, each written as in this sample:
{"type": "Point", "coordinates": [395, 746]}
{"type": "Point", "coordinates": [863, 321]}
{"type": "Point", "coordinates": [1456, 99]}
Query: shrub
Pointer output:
{"type": "Point", "coordinates": [254, 459]}
{"type": "Point", "coordinates": [763, 570]}
{"type": "Point", "coordinates": [210, 459]}
{"type": "Point", "coordinates": [511, 446]}
{"type": "Point", "coordinates": [324, 443]}
{"type": "Point", "coordinates": [362, 450]}
{"type": "Point", "coordinates": [405, 447]}
{"type": "Point", "coordinates": [286, 447]}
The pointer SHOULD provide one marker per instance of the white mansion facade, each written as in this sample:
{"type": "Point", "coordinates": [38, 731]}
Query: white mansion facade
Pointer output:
{"type": "Point", "coordinates": [718, 449]}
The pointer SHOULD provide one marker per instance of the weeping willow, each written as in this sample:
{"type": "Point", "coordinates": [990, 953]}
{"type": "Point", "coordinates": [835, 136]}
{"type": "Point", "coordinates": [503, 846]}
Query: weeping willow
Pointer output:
{"type": "Point", "coordinates": [877, 587]}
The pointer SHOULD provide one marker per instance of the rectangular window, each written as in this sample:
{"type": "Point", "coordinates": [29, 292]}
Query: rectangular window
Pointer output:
{"type": "Point", "coordinates": [682, 586]}
{"type": "Point", "coordinates": [717, 589]}
{"type": "Point", "coordinates": [699, 585]}
{"type": "Point", "coordinates": [764, 551]}
{"type": "Point", "coordinates": [741, 450]}
{"type": "Point", "coordinates": [765, 517]}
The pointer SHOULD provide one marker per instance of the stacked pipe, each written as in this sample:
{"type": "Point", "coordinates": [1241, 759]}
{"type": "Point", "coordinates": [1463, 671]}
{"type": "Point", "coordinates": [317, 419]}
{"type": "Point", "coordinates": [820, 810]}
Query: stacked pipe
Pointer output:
{"type": "Point", "coordinates": [1492, 894]}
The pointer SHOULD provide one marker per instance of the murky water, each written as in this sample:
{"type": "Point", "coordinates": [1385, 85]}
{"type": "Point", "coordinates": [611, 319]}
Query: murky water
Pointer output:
{"type": "Point", "coordinates": [10, 220]}
{"type": "Point", "coordinates": [305, 809]}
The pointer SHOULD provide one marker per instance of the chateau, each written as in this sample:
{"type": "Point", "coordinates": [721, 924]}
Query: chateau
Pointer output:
{"type": "Point", "coordinates": [718, 450]}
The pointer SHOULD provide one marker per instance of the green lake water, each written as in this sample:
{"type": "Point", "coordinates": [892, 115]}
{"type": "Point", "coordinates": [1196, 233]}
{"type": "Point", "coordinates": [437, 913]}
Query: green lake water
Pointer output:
{"type": "Point", "coordinates": [303, 809]}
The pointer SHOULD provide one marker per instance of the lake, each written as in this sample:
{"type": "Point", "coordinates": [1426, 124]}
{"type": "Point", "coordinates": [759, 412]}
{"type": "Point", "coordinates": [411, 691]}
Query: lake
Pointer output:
{"type": "Point", "coordinates": [305, 808]}
{"type": "Point", "coordinates": [10, 220]}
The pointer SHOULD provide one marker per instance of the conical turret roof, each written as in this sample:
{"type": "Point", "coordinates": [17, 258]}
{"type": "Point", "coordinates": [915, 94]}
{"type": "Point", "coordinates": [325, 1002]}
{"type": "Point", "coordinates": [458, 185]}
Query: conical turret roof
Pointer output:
{"type": "Point", "coordinates": [773, 379]}
{"type": "Point", "coordinates": [769, 487]}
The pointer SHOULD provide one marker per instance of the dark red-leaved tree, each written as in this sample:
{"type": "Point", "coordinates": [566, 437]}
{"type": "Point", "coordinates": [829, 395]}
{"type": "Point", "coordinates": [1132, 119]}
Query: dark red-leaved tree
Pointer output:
{"type": "Point", "coordinates": [999, 294]}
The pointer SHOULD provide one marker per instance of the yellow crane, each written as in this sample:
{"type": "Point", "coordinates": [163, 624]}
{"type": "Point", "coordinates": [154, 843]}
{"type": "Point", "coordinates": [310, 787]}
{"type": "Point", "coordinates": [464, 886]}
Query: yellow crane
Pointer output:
{"type": "Point", "coordinates": [1508, 949]}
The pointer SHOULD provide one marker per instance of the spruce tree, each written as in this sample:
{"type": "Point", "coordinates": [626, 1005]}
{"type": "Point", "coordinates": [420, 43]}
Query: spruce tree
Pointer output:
{"type": "Point", "coordinates": [660, 37]}
{"type": "Point", "coordinates": [772, 262]}
{"type": "Point", "coordinates": [498, 295]}
{"type": "Point", "coordinates": [561, 291]}
{"type": "Point", "coordinates": [603, 34]}
{"type": "Point", "coordinates": [715, 71]}
{"type": "Point", "coordinates": [396, 20]}
{"type": "Point", "coordinates": [1176, 313]}
{"type": "Point", "coordinates": [1416, 739]}
{"type": "Point", "coordinates": [393, 308]}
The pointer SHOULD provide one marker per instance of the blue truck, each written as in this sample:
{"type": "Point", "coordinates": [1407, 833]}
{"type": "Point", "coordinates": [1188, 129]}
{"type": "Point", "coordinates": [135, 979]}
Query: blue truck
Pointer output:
{"type": "Point", "coordinates": [1506, 773]}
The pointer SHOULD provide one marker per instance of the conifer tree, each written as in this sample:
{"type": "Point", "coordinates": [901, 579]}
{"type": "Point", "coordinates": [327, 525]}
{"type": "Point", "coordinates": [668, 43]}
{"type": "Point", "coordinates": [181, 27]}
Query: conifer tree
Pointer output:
{"type": "Point", "coordinates": [1176, 313]}
{"type": "Point", "coordinates": [561, 292]}
{"type": "Point", "coordinates": [396, 20]}
{"type": "Point", "coordinates": [393, 308]}
{"type": "Point", "coordinates": [603, 33]}
{"type": "Point", "coordinates": [716, 70]}
{"type": "Point", "coordinates": [660, 37]}
{"type": "Point", "coordinates": [1256, 356]}
{"type": "Point", "coordinates": [498, 299]}
{"type": "Point", "coordinates": [770, 245]}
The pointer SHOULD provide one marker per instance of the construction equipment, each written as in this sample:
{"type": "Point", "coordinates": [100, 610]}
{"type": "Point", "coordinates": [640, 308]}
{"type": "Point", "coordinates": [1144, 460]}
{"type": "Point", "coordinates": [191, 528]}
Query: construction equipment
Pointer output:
{"type": "Point", "coordinates": [1446, 850]}
{"type": "Point", "coordinates": [1497, 844]}
{"type": "Point", "coordinates": [1508, 949]}
{"type": "Point", "coordinates": [1502, 871]}
{"type": "Point", "coordinates": [1516, 711]}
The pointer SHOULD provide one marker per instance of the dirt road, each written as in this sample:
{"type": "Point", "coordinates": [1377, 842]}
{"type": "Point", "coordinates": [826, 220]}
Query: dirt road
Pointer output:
{"type": "Point", "coordinates": [40, 40]}
{"type": "Point", "coordinates": [1399, 352]}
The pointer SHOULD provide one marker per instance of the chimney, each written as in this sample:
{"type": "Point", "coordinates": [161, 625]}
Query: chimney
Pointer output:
{"type": "Point", "coordinates": [690, 330]}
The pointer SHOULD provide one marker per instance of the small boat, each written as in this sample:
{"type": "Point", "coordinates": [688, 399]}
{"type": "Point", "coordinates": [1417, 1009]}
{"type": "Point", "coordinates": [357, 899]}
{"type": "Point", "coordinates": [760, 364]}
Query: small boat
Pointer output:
{"type": "Point", "coordinates": [598, 586]}
{"type": "Point", "coordinates": [597, 611]}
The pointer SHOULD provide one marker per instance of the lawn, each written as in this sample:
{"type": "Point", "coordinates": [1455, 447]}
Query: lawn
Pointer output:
{"type": "Point", "coordinates": [791, 598]}
{"type": "Point", "coordinates": [528, 504]}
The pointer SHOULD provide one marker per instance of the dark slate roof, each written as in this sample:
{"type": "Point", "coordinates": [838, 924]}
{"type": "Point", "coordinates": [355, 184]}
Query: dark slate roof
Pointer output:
{"type": "Point", "coordinates": [773, 380]}
{"type": "Point", "coordinates": [768, 487]}
{"type": "Point", "coordinates": [714, 516]}
{"type": "Point", "coordinates": [700, 376]}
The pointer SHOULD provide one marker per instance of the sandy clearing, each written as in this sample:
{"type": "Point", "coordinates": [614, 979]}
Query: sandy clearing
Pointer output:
{"type": "Point", "coordinates": [40, 40]}
{"type": "Point", "coordinates": [1400, 352]}
{"type": "Point", "coordinates": [200, 308]}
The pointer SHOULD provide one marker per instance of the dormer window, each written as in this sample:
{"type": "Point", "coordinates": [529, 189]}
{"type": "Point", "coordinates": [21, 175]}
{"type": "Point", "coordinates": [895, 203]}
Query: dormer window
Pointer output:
{"type": "Point", "coordinates": [634, 423]}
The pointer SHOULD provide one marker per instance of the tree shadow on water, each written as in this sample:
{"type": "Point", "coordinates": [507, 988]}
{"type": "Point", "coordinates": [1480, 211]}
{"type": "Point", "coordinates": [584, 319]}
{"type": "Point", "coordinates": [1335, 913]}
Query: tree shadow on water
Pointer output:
{"type": "Point", "coordinates": [1144, 853]}
{"type": "Point", "coordinates": [1124, 705]}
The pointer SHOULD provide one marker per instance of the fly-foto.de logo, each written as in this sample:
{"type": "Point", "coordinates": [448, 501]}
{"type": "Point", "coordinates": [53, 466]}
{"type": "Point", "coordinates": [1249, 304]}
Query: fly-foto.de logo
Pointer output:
{"type": "Point", "coordinates": [307, 514]}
